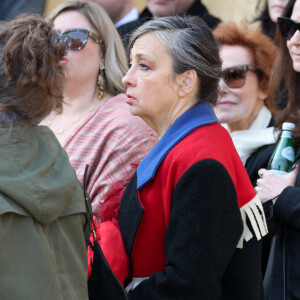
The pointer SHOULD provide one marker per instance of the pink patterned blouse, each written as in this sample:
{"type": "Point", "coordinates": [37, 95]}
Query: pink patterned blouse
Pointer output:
{"type": "Point", "coordinates": [113, 142]}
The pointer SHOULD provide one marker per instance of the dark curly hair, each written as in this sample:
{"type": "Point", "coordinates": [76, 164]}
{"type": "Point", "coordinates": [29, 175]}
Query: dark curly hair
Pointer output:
{"type": "Point", "coordinates": [31, 79]}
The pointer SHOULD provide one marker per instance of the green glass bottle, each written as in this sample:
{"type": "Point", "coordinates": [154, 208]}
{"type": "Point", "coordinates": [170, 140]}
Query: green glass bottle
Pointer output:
{"type": "Point", "coordinates": [282, 159]}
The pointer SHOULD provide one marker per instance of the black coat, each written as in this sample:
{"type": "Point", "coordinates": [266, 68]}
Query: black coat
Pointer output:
{"type": "Point", "coordinates": [188, 211]}
{"type": "Point", "coordinates": [197, 9]}
{"type": "Point", "coordinates": [256, 161]}
{"type": "Point", "coordinates": [282, 278]}
{"type": "Point", "coordinates": [241, 280]}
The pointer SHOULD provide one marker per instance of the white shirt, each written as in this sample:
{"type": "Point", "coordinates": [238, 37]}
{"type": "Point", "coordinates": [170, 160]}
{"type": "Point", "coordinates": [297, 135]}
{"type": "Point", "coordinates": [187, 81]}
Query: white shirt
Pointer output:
{"type": "Point", "coordinates": [131, 16]}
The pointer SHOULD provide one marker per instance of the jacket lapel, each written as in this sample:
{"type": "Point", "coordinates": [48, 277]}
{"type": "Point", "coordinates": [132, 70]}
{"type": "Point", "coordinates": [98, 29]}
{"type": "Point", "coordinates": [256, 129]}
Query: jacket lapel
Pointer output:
{"type": "Point", "coordinates": [130, 206]}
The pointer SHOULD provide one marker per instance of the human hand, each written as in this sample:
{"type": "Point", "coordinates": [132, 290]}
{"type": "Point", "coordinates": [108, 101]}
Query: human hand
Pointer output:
{"type": "Point", "coordinates": [270, 185]}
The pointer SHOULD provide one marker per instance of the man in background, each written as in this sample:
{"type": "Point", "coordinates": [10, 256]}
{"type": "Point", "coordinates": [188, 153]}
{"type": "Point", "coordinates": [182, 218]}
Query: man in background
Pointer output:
{"type": "Point", "coordinates": [161, 8]}
{"type": "Point", "coordinates": [120, 11]}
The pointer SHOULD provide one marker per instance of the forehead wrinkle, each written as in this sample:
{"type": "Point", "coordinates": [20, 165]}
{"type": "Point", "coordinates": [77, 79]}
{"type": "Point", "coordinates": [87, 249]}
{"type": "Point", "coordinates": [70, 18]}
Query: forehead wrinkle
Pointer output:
{"type": "Point", "coordinates": [141, 55]}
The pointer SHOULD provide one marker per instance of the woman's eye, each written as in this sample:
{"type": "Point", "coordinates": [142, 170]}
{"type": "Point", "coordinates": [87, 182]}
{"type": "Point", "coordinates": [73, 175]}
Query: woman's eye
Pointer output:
{"type": "Point", "coordinates": [129, 65]}
{"type": "Point", "coordinates": [144, 67]}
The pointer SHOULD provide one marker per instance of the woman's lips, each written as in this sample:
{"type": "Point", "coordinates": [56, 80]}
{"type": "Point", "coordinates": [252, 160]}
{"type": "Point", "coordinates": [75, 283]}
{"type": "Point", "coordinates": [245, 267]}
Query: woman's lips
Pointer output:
{"type": "Point", "coordinates": [130, 99]}
{"type": "Point", "coordinates": [280, 7]}
{"type": "Point", "coordinates": [63, 61]}
{"type": "Point", "coordinates": [225, 104]}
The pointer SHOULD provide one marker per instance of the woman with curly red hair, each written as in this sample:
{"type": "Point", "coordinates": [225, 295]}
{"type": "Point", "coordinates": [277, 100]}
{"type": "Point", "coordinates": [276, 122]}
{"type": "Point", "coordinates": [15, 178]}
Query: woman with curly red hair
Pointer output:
{"type": "Point", "coordinates": [244, 106]}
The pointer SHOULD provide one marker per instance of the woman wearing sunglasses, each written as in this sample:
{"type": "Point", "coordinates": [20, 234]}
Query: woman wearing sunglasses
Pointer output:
{"type": "Point", "coordinates": [94, 125]}
{"type": "Point", "coordinates": [283, 273]}
{"type": "Point", "coordinates": [244, 106]}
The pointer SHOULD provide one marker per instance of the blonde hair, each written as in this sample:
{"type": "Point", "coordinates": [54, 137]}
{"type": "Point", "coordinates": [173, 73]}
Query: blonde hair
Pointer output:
{"type": "Point", "coordinates": [114, 53]}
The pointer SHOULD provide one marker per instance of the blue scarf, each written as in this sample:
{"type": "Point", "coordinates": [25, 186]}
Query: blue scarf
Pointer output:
{"type": "Point", "coordinates": [200, 115]}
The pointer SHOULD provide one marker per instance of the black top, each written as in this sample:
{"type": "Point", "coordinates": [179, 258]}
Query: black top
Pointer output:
{"type": "Point", "coordinates": [283, 273]}
{"type": "Point", "coordinates": [259, 159]}
{"type": "Point", "coordinates": [196, 9]}
{"type": "Point", "coordinates": [232, 274]}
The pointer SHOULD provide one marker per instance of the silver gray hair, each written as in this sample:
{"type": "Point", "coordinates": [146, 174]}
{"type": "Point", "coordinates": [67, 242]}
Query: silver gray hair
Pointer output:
{"type": "Point", "coordinates": [192, 46]}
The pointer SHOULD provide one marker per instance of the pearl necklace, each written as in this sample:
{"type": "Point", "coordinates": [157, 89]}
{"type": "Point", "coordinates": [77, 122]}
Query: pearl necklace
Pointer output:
{"type": "Point", "coordinates": [76, 120]}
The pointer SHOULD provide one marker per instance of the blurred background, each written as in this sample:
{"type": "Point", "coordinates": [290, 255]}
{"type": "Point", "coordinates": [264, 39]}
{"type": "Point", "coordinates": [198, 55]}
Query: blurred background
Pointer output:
{"type": "Point", "coordinates": [226, 10]}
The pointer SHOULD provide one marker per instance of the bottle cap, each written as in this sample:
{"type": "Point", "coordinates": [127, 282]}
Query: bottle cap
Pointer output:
{"type": "Point", "coordinates": [288, 126]}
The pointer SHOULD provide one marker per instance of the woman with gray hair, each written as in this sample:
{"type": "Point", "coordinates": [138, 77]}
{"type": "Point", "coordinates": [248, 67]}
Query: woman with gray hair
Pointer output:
{"type": "Point", "coordinates": [189, 217]}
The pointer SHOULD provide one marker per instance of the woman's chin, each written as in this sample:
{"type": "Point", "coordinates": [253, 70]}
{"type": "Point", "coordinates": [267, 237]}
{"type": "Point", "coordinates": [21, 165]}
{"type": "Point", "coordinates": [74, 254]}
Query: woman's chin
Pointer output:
{"type": "Point", "coordinates": [133, 110]}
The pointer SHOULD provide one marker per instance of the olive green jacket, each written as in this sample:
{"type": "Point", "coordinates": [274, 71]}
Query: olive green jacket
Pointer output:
{"type": "Point", "coordinates": [42, 218]}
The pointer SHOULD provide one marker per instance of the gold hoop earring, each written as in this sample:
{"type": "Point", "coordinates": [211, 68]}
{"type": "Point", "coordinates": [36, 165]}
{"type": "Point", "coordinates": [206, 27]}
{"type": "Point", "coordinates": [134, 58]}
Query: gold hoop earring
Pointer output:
{"type": "Point", "coordinates": [101, 81]}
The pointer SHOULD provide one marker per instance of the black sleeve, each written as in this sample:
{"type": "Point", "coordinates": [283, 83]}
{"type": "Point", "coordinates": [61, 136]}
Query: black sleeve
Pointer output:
{"type": "Point", "coordinates": [201, 237]}
{"type": "Point", "coordinates": [258, 160]}
{"type": "Point", "coordinates": [287, 206]}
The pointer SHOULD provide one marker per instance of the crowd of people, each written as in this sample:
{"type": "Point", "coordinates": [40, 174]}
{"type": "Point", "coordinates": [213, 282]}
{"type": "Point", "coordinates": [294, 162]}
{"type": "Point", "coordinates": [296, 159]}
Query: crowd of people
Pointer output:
{"type": "Point", "coordinates": [164, 160]}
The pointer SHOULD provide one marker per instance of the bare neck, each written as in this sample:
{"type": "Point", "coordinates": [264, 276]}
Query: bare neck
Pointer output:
{"type": "Point", "coordinates": [126, 9]}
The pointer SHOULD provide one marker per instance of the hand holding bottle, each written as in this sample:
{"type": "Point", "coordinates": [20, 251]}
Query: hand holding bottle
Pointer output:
{"type": "Point", "coordinates": [283, 157]}
{"type": "Point", "coordinates": [280, 173]}
{"type": "Point", "coordinates": [270, 185]}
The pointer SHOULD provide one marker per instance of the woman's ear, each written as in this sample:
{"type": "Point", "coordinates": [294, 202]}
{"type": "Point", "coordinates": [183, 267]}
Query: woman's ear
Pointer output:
{"type": "Point", "coordinates": [188, 82]}
{"type": "Point", "coordinates": [262, 94]}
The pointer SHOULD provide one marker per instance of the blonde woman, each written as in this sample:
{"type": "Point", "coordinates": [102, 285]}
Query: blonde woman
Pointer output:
{"type": "Point", "coordinates": [94, 125]}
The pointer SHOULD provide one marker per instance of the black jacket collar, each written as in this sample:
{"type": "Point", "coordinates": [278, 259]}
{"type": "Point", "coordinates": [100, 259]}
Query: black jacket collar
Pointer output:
{"type": "Point", "coordinates": [196, 9]}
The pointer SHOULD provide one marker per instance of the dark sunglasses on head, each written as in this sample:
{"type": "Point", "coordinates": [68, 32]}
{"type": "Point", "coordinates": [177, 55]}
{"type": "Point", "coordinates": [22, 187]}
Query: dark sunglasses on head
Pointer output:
{"type": "Point", "coordinates": [287, 27]}
{"type": "Point", "coordinates": [75, 38]}
{"type": "Point", "coordinates": [235, 77]}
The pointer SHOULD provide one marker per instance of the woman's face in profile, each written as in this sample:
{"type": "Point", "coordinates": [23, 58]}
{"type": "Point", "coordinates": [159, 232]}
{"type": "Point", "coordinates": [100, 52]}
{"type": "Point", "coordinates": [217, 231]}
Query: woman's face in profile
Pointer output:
{"type": "Point", "coordinates": [81, 64]}
{"type": "Point", "coordinates": [294, 43]}
{"type": "Point", "coordinates": [276, 8]}
{"type": "Point", "coordinates": [151, 87]}
{"type": "Point", "coordinates": [238, 107]}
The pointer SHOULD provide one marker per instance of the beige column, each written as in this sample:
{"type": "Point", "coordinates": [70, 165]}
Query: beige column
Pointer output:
{"type": "Point", "coordinates": [226, 10]}
{"type": "Point", "coordinates": [234, 10]}
{"type": "Point", "coordinates": [50, 4]}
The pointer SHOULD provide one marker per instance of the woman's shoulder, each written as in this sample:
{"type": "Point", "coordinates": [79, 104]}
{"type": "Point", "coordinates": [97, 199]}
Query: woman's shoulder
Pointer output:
{"type": "Point", "coordinates": [259, 159]}
{"type": "Point", "coordinates": [210, 142]}
{"type": "Point", "coordinates": [207, 141]}
{"type": "Point", "coordinates": [115, 115]}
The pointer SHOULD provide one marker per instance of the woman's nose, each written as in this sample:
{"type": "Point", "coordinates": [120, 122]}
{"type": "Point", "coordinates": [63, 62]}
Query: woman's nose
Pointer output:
{"type": "Point", "coordinates": [296, 37]}
{"type": "Point", "coordinates": [222, 85]}
{"type": "Point", "coordinates": [128, 79]}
